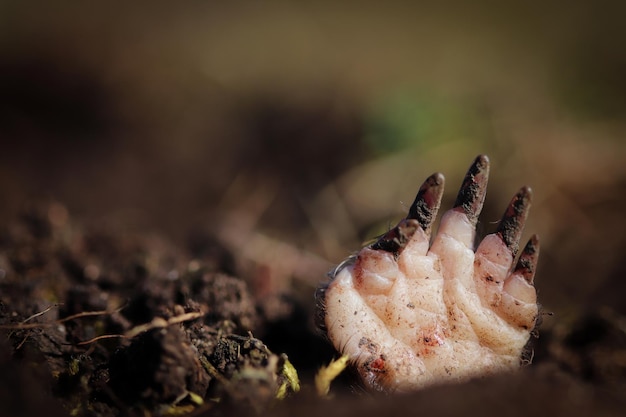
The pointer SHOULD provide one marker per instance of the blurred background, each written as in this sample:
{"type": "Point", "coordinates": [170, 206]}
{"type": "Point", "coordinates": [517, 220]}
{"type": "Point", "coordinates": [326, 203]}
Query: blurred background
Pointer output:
{"type": "Point", "coordinates": [296, 131]}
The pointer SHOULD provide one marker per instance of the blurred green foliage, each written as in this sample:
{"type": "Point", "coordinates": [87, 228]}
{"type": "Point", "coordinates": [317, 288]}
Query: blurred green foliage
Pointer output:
{"type": "Point", "coordinates": [421, 119]}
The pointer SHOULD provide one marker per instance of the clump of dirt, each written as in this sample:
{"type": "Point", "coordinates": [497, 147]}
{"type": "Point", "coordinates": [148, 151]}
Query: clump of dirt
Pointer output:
{"type": "Point", "coordinates": [130, 324]}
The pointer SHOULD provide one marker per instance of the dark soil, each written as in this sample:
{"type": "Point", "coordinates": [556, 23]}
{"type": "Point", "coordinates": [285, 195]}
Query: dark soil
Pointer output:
{"type": "Point", "coordinates": [101, 323]}
{"type": "Point", "coordinates": [71, 301]}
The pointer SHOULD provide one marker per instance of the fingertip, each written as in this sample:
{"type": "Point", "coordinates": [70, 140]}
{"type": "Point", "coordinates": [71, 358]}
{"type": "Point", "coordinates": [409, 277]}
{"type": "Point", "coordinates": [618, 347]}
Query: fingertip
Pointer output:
{"type": "Point", "coordinates": [427, 202]}
{"type": "Point", "coordinates": [512, 222]}
{"type": "Point", "coordinates": [397, 238]}
{"type": "Point", "coordinates": [527, 263]}
{"type": "Point", "coordinates": [471, 196]}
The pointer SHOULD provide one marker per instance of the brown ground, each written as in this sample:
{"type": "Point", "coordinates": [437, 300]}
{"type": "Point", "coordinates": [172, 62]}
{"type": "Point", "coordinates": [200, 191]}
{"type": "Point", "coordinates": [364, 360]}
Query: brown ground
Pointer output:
{"type": "Point", "coordinates": [191, 174]}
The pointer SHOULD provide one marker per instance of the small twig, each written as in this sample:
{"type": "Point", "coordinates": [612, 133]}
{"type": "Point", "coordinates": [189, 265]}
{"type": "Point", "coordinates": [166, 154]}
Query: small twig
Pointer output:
{"type": "Point", "coordinates": [157, 322]}
{"type": "Point", "coordinates": [41, 313]}
{"type": "Point", "coordinates": [104, 336]}
{"type": "Point", "coordinates": [23, 325]}
{"type": "Point", "coordinates": [18, 347]}
{"type": "Point", "coordinates": [89, 314]}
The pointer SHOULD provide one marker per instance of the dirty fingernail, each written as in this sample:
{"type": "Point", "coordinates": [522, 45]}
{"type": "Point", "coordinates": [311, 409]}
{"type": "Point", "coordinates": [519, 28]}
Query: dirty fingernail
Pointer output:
{"type": "Point", "coordinates": [474, 188]}
{"type": "Point", "coordinates": [512, 223]}
{"type": "Point", "coordinates": [527, 263]}
{"type": "Point", "coordinates": [424, 208]}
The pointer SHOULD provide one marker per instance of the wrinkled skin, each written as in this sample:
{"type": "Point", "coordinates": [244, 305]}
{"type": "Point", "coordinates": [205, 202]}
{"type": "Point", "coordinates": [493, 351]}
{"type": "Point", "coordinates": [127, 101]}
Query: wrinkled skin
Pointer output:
{"type": "Point", "coordinates": [409, 313]}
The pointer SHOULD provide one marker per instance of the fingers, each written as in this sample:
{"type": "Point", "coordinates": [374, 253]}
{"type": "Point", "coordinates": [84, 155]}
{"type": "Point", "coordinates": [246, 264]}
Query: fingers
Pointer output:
{"type": "Point", "coordinates": [519, 298]}
{"type": "Point", "coordinates": [397, 238]}
{"type": "Point", "coordinates": [527, 263]}
{"type": "Point", "coordinates": [474, 188]}
{"type": "Point", "coordinates": [496, 253]}
{"type": "Point", "coordinates": [424, 208]}
{"type": "Point", "coordinates": [422, 213]}
{"type": "Point", "coordinates": [511, 294]}
{"type": "Point", "coordinates": [459, 223]}
{"type": "Point", "coordinates": [512, 223]}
